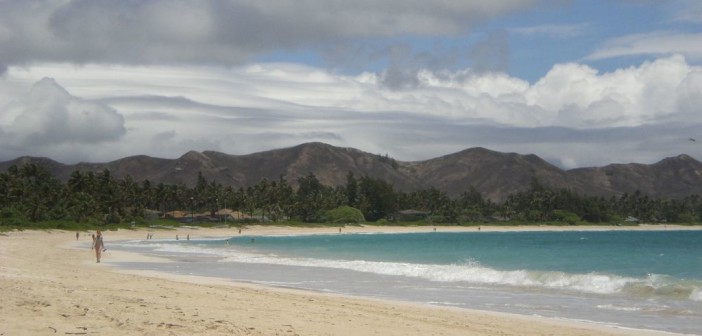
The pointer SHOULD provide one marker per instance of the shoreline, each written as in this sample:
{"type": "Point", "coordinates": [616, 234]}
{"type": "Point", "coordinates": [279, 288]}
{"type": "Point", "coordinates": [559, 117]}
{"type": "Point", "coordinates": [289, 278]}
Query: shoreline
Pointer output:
{"type": "Point", "coordinates": [51, 284]}
{"type": "Point", "coordinates": [294, 230]}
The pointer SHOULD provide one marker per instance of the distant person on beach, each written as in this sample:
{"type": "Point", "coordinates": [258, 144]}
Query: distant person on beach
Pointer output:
{"type": "Point", "coordinates": [77, 235]}
{"type": "Point", "coordinates": [98, 245]}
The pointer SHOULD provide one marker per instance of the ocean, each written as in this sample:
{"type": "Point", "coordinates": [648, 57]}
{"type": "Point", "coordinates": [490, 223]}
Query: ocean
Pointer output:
{"type": "Point", "coordinates": [634, 279]}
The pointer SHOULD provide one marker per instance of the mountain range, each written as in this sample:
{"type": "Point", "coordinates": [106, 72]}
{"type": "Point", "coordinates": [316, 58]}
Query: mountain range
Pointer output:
{"type": "Point", "coordinates": [494, 174]}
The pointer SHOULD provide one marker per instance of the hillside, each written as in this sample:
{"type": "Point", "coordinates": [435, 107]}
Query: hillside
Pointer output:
{"type": "Point", "coordinates": [494, 174]}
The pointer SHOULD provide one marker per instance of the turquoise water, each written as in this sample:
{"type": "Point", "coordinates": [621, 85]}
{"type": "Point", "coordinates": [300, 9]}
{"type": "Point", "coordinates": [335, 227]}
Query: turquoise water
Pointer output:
{"type": "Point", "coordinates": [639, 279]}
{"type": "Point", "coordinates": [674, 253]}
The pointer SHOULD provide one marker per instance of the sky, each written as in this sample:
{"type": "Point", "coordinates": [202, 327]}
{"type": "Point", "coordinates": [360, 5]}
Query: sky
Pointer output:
{"type": "Point", "coordinates": [580, 83]}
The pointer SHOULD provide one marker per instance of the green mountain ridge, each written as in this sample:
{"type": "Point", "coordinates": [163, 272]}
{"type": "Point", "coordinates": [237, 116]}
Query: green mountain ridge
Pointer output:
{"type": "Point", "coordinates": [494, 174]}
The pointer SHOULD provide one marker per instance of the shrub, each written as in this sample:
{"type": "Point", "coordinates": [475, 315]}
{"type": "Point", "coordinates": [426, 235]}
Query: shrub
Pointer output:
{"type": "Point", "coordinates": [11, 217]}
{"type": "Point", "coordinates": [565, 216]}
{"type": "Point", "coordinates": [345, 214]}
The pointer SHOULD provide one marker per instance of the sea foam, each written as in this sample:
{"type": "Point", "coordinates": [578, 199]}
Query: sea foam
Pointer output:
{"type": "Point", "coordinates": [474, 273]}
{"type": "Point", "coordinates": [470, 272]}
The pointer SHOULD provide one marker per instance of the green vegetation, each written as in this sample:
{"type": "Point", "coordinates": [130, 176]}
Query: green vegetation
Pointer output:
{"type": "Point", "coordinates": [31, 198]}
{"type": "Point", "coordinates": [345, 215]}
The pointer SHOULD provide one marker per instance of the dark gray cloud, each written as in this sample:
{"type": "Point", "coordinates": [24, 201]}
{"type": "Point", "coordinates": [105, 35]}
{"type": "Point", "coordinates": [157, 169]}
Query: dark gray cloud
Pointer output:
{"type": "Point", "coordinates": [218, 31]}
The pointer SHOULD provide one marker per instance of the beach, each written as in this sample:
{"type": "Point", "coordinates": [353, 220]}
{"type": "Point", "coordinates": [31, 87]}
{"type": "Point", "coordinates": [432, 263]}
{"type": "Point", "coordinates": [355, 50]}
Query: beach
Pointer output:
{"type": "Point", "coordinates": [50, 284]}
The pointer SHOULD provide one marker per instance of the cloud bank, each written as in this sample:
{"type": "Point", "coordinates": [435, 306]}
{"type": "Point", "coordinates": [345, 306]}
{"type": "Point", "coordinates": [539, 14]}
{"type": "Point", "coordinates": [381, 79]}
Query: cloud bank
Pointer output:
{"type": "Point", "coordinates": [567, 116]}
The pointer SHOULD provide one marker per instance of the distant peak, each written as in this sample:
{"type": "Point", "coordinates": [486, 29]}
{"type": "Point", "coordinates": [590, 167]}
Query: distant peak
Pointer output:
{"type": "Point", "coordinates": [316, 144]}
{"type": "Point", "coordinates": [681, 157]}
{"type": "Point", "coordinates": [48, 87]}
{"type": "Point", "coordinates": [193, 155]}
{"type": "Point", "coordinates": [46, 81]}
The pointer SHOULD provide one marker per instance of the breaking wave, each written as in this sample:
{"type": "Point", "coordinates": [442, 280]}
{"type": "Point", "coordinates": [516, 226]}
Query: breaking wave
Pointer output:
{"type": "Point", "coordinates": [470, 272]}
{"type": "Point", "coordinates": [474, 273]}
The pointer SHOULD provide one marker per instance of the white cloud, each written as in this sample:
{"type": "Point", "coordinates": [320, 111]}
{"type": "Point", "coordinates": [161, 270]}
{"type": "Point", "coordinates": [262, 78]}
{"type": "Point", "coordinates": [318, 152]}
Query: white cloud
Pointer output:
{"type": "Point", "coordinates": [689, 95]}
{"type": "Point", "coordinates": [580, 97]}
{"type": "Point", "coordinates": [49, 116]}
{"type": "Point", "coordinates": [635, 113]}
{"type": "Point", "coordinates": [662, 43]}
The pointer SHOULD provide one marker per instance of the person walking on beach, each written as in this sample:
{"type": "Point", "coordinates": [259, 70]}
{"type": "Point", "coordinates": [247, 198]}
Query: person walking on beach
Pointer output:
{"type": "Point", "coordinates": [98, 245]}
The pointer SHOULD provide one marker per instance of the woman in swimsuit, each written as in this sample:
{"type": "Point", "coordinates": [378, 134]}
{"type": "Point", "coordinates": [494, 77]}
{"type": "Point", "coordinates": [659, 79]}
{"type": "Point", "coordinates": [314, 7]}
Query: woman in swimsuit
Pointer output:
{"type": "Point", "coordinates": [98, 245]}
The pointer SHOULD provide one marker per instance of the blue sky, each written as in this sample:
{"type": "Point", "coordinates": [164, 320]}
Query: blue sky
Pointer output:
{"type": "Point", "coordinates": [535, 38]}
{"type": "Point", "coordinates": [579, 83]}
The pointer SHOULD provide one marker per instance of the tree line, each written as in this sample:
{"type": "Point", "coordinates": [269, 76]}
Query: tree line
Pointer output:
{"type": "Point", "coordinates": [29, 193]}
